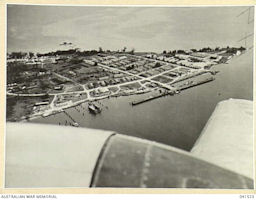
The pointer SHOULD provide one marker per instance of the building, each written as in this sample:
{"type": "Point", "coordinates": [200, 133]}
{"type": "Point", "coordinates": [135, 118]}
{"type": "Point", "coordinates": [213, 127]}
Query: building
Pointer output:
{"type": "Point", "coordinates": [72, 73]}
{"type": "Point", "coordinates": [90, 62]}
{"type": "Point", "coordinates": [103, 78]}
{"type": "Point", "coordinates": [59, 87]}
{"type": "Point", "coordinates": [42, 103]}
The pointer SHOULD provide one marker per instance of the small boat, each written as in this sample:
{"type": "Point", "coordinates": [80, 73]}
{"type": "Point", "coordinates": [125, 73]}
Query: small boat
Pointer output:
{"type": "Point", "coordinates": [46, 114]}
{"type": "Point", "coordinates": [75, 124]}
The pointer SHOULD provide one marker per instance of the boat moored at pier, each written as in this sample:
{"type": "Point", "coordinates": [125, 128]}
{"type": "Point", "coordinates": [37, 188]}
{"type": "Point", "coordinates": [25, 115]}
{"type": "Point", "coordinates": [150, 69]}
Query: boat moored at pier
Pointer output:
{"type": "Point", "coordinates": [94, 109]}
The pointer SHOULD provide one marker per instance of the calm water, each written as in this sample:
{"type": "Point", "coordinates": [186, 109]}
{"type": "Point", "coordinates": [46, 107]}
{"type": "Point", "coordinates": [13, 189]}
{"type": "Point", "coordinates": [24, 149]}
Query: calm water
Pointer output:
{"type": "Point", "coordinates": [174, 120]}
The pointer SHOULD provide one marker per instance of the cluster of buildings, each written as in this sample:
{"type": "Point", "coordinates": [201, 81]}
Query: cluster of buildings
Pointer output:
{"type": "Point", "coordinates": [32, 82]}
{"type": "Point", "coordinates": [110, 80]}
{"type": "Point", "coordinates": [100, 92]}
{"type": "Point", "coordinates": [102, 74]}
{"type": "Point", "coordinates": [157, 70]}
{"type": "Point", "coordinates": [195, 60]}
{"type": "Point", "coordinates": [32, 60]}
{"type": "Point", "coordinates": [127, 63]}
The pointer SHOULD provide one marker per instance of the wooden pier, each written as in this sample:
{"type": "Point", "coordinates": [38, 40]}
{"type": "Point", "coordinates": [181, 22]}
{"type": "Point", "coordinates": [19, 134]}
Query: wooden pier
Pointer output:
{"type": "Point", "coordinates": [74, 122]}
{"type": "Point", "coordinates": [184, 87]}
{"type": "Point", "coordinates": [196, 83]}
{"type": "Point", "coordinates": [136, 102]}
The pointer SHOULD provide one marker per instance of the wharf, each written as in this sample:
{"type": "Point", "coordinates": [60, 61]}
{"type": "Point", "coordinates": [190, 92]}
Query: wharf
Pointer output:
{"type": "Point", "coordinates": [74, 122]}
{"type": "Point", "coordinates": [151, 97]}
{"type": "Point", "coordinates": [172, 92]}
{"type": "Point", "coordinates": [184, 87]}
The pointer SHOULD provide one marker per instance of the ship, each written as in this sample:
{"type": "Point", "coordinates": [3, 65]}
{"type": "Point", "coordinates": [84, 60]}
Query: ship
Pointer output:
{"type": "Point", "coordinates": [94, 109]}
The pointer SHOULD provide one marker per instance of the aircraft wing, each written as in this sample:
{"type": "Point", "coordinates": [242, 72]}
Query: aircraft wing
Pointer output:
{"type": "Point", "coordinates": [227, 138]}
{"type": "Point", "coordinates": [40, 156]}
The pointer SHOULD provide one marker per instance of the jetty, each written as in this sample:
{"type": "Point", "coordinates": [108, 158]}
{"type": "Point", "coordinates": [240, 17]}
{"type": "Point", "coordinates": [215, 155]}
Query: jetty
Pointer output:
{"type": "Point", "coordinates": [193, 84]}
{"type": "Point", "coordinates": [172, 92]}
{"type": "Point", "coordinates": [151, 97]}
{"type": "Point", "coordinates": [74, 122]}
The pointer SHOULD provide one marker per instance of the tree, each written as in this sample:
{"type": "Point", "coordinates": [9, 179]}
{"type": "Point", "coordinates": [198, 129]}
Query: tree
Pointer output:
{"type": "Point", "coordinates": [100, 50]}
{"type": "Point", "coordinates": [76, 60]}
{"type": "Point", "coordinates": [173, 52]}
{"type": "Point", "coordinates": [242, 48]}
{"type": "Point", "coordinates": [157, 65]}
{"type": "Point", "coordinates": [31, 54]}
{"type": "Point", "coordinates": [164, 52]}
{"type": "Point", "coordinates": [217, 48]}
{"type": "Point", "coordinates": [17, 55]}
{"type": "Point", "coordinates": [46, 96]}
{"type": "Point", "coordinates": [132, 51]}
{"type": "Point", "coordinates": [181, 52]}
{"type": "Point", "coordinates": [124, 49]}
{"type": "Point", "coordinates": [206, 49]}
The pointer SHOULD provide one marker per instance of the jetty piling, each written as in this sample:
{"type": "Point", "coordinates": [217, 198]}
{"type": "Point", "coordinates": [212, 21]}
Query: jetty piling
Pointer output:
{"type": "Point", "coordinates": [72, 119]}
{"type": "Point", "coordinates": [172, 92]}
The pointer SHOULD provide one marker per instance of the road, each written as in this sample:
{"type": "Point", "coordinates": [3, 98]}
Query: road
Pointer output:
{"type": "Point", "coordinates": [142, 78]}
{"type": "Point", "coordinates": [55, 108]}
{"type": "Point", "coordinates": [164, 85]}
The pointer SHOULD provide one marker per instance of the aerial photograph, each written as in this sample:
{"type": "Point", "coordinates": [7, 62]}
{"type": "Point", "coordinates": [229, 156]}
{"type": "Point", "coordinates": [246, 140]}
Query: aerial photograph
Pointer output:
{"type": "Point", "coordinates": [129, 97]}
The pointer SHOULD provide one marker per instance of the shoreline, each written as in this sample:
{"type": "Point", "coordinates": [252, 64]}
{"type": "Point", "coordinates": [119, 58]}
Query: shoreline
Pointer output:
{"type": "Point", "coordinates": [133, 103]}
{"type": "Point", "coordinates": [55, 110]}
{"type": "Point", "coordinates": [50, 112]}
{"type": "Point", "coordinates": [75, 104]}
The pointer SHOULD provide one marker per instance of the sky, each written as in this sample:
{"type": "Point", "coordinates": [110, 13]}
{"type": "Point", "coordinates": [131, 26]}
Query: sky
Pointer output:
{"type": "Point", "coordinates": [154, 29]}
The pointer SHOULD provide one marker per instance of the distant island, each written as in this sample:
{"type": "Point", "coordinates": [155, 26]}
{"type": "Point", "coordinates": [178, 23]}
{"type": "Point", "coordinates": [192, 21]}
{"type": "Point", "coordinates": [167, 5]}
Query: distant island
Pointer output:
{"type": "Point", "coordinates": [45, 84]}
